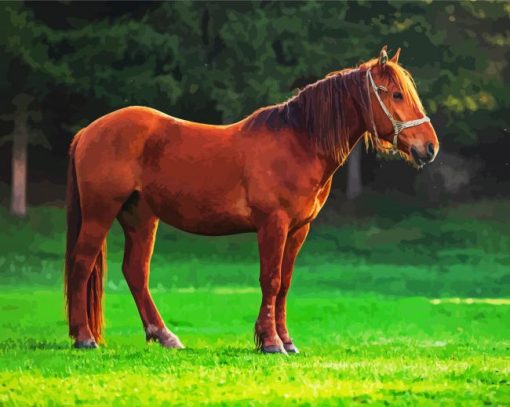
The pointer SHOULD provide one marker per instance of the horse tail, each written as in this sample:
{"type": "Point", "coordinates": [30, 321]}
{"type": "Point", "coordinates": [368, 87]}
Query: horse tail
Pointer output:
{"type": "Point", "coordinates": [95, 287]}
{"type": "Point", "coordinates": [95, 291]}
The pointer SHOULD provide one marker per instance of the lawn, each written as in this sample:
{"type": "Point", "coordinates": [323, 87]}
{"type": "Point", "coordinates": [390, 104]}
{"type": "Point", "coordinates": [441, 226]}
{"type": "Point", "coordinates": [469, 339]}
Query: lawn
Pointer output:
{"type": "Point", "coordinates": [407, 309]}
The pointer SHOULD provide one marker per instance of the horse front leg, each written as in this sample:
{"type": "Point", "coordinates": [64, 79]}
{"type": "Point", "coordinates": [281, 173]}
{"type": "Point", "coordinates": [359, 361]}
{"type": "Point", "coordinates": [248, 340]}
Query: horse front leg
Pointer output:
{"type": "Point", "coordinates": [271, 234]}
{"type": "Point", "coordinates": [294, 242]}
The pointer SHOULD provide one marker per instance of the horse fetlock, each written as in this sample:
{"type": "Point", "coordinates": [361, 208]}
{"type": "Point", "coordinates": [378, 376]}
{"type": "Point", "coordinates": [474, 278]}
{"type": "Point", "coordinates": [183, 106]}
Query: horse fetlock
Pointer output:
{"type": "Point", "coordinates": [80, 332]}
{"type": "Point", "coordinates": [267, 340]}
{"type": "Point", "coordinates": [284, 336]}
{"type": "Point", "coordinates": [151, 332]}
{"type": "Point", "coordinates": [164, 336]}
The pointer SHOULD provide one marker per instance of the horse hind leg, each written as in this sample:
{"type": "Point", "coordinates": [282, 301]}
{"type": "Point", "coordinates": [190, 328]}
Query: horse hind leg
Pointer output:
{"type": "Point", "coordinates": [84, 277]}
{"type": "Point", "coordinates": [88, 249]}
{"type": "Point", "coordinates": [140, 226]}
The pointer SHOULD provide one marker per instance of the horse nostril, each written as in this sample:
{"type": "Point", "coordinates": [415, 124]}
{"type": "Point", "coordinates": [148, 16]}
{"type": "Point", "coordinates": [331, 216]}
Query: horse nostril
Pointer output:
{"type": "Point", "coordinates": [416, 156]}
{"type": "Point", "coordinates": [430, 151]}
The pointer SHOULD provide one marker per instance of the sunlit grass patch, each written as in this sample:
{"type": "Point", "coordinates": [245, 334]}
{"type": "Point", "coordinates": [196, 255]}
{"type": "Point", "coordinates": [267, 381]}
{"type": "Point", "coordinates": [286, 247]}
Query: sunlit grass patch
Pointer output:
{"type": "Point", "coordinates": [490, 301]}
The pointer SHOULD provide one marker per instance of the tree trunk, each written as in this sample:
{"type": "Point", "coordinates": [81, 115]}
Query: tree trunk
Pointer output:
{"type": "Point", "coordinates": [19, 168]}
{"type": "Point", "coordinates": [354, 181]}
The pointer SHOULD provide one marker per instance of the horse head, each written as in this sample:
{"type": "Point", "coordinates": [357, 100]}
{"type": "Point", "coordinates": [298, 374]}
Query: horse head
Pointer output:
{"type": "Point", "coordinates": [399, 123]}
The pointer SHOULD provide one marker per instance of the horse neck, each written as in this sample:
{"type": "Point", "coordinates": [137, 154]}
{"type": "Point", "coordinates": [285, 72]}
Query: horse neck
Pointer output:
{"type": "Point", "coordinates": [308, 120]}
{"type": "Point", "coordinates": [332, 113]}
{"type": "Point", "coordinates": [357, 129]}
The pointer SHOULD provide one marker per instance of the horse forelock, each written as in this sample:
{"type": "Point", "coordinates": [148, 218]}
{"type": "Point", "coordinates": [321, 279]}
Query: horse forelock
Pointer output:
{"type": "Point", "coordinates": [401, 77]}
{"type": "Point", "coordinates": [406, 83]}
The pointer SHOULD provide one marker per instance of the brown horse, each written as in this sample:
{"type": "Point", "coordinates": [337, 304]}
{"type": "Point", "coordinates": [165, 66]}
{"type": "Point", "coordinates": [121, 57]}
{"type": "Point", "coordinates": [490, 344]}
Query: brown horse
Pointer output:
{"type": "Point", "coordinates": [269, 173]}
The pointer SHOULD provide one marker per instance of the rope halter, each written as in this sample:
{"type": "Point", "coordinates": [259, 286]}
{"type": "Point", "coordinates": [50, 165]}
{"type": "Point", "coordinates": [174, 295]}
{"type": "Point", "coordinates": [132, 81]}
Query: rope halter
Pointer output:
{"type": "Point", "coordinates": [398, 126]}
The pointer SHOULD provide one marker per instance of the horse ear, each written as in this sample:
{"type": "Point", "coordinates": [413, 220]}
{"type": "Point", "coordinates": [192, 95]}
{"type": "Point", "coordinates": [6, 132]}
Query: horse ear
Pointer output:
{"type": "Point", "coordinates": [395, 57]}
{"type": "Point", "coordinates": [383, 56]}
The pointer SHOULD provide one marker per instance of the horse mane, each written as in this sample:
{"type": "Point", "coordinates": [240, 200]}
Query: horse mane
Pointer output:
{"type": "Point", "coordinates": [318, 110]}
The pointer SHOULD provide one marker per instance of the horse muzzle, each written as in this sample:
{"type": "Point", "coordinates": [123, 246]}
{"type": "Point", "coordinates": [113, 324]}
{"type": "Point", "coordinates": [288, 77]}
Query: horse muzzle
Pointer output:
{"type": "Point", "coordinates": [425, 157]}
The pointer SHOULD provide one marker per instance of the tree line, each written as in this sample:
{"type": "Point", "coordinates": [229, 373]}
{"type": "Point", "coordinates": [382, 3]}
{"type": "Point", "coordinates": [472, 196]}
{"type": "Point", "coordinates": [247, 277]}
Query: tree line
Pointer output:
{"type": "Point", "coordinates": [66, 63]}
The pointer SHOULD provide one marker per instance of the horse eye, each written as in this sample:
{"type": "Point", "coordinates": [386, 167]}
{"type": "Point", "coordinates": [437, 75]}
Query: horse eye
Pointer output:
{"type": "Point", "coordinates": [398, 96]}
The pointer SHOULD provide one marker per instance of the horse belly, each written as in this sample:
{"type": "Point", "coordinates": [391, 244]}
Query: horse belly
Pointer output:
{"type": "Point", "coordinates": [208, 207]}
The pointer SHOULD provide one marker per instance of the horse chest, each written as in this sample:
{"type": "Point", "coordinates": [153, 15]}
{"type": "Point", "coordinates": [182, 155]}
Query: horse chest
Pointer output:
{"type": "Point", "coordinates": [305, 208]}
{"type": "Point", "coordinates": [319, 200]}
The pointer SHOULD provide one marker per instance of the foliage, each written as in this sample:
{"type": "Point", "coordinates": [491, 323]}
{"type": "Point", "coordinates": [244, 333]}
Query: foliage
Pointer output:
{"type": "Point", "coordinates": [212, 62]}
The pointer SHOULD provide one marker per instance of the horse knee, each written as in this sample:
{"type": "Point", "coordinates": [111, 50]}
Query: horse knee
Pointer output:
{"type": "Point", "coordinates": [281, 297]}
{"type": "Point", "coordinates": [270, 286]}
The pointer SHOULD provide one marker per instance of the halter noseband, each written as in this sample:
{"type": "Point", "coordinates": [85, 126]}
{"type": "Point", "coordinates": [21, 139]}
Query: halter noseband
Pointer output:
{"type": "Point", "coordinates": [398, 126]}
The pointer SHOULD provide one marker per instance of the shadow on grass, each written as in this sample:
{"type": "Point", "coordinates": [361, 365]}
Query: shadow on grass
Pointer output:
{"type": "Point", "coordinates": [126, 350]}
{"type": "Point", "coordinates": [33, 344]}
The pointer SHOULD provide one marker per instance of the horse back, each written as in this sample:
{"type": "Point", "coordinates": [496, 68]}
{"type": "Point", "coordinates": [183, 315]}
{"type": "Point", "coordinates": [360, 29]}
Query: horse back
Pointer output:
{"type": "Point", "coordinates": [201, 178]}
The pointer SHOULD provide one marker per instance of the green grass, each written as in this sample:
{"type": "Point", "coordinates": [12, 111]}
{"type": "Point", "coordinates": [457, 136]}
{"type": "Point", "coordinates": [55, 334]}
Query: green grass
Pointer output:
{"type": "Point", "coordinates": [354, 348]}
{"type": "Point", "coordinates": [460, 251]}
{"type": "Point", "coordinates": [407, 309]}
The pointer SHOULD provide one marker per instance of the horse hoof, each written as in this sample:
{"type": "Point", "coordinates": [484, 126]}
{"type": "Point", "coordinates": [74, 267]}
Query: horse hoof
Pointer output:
{"type": "Point", "coordinates": [164, 336]}
{"type": "Point", "coordinates": [172, 342]}
{"type": "Point", "coordinates": [86, 344]}
{"type": "Point", "coordinates": [290, 348]}
{"type": "Point", "coordinates": [274, 349]}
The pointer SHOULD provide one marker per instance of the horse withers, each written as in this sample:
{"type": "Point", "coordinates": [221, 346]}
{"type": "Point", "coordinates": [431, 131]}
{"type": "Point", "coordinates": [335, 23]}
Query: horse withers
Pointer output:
{"type": "Point", "coordinates": [269, 174]}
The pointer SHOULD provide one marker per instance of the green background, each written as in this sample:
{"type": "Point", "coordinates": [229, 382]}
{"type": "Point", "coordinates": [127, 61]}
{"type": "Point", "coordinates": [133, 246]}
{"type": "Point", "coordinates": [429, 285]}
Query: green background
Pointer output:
{"type": "Point", "coordinates": [400, 296]}
{"type": "Point", "coordinates": [409, 309]}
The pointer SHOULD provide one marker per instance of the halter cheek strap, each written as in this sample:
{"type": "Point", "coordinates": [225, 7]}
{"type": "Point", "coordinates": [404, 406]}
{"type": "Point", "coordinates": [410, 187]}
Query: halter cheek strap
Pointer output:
{"type": "Point", "coordinates": [398, 126]}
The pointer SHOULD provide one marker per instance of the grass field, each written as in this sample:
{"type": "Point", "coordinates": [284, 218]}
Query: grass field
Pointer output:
{"type": "Point", "coordinates": [407, 309]}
